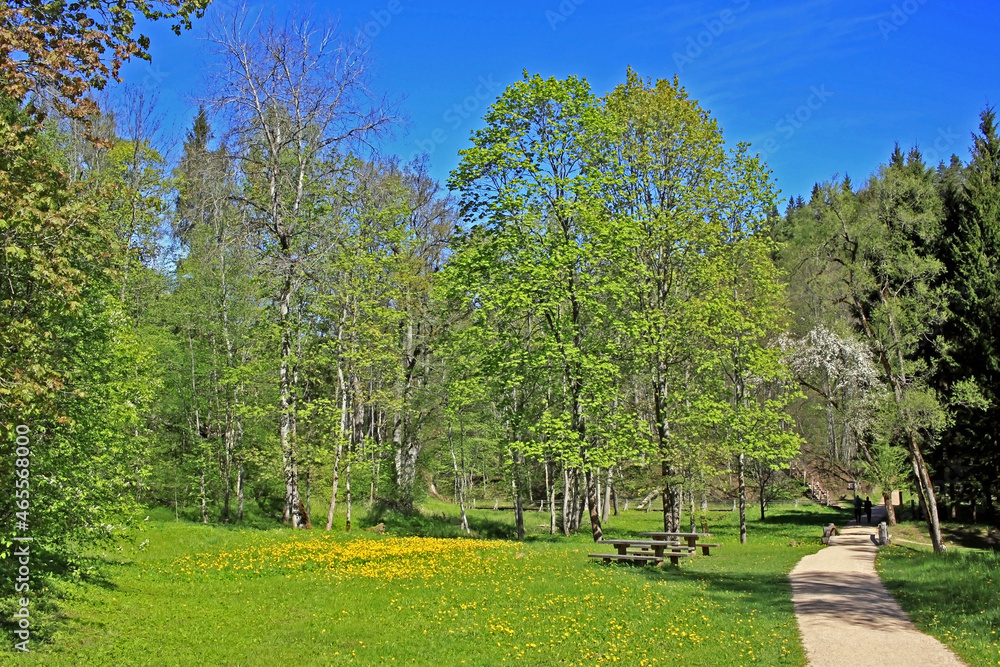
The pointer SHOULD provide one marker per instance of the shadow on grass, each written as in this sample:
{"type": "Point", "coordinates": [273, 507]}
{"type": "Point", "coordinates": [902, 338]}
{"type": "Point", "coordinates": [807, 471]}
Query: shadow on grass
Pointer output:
{"type": "Point", "coordinates": [414, 523]}
{"type": "Point", "coordinates": [972, 537]}
{"type": "Point", "coordinates": [253, 518]}
{"type": "Point", "coordinates": [780, 523]}
{"type": "Point", "coordinates": [956, 594]}
{"type": "Point", "coordinates": [48, 593]}
{"type": "Point", "coordinates": [770, 593]}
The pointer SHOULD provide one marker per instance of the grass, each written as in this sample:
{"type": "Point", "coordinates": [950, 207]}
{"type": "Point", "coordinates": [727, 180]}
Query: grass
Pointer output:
{"type": "Point", "coordinates": [953, 596]}
{"type": "Point", "coordinates": [200, 595]}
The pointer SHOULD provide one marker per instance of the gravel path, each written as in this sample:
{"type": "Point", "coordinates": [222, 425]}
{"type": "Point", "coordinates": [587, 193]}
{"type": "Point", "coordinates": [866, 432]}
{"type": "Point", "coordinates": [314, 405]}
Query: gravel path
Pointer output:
{"type": "Point", "coordinates": [846, 616]}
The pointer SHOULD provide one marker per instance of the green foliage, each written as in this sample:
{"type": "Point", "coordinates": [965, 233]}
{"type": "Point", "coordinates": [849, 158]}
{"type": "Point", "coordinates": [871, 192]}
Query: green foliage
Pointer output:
{"type": "Point", "coordinates": [884, 278]}
{"type": "Point", "coordinates": [886, 466]}
{"type": "Point", "coordinates": [75, 372]}
{"type": "Point", "coordinates": [967, 374]}
{"type": "Point", "coordinates": [617, 257]}
{"type": "Point", "coordinates": [540, 275]}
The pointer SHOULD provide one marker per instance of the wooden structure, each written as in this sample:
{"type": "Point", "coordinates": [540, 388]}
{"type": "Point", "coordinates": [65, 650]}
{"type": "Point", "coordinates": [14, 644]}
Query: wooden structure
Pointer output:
{"type": "Point", "coordinates": [644, 551]}
{"type": "Point", "coordinates": [691, 538]}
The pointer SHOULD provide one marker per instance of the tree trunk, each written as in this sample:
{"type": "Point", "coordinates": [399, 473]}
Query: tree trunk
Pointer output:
{"type": "Point", "coordinates": [335, 482]}
{"type": "Point", "coordinates": [600, 498]}
{"type": "Point", "coordinates": [927, 493]}
{"type": "Point", "coordinates": [595, 518]}
{"type": "Point", "coordinates": [890, 511]}
{"type": "Point", "coordinates": [337, 453]}
{"type": "Point", "coordinates": [460, 478]}
{"type": "Point", "coordinates": [347, 492]}
{"type": "Point", "coordinates": [309, 491]}
{"type": "Point", "coordinates": [550, 486]}
{"type": "Point", "coordinates": [566, 502]}
{"type": "Point", "coordinates": [286, 405]}
{"type": "Point", "coordinates": [516, 489]}
{"type": "Point", "coordinates": [672, 499]}
{"type": "Point", "coordinates": [693, 520]}
{"type": "Point", "coordinates": [742, 481]}
{"type": "Point", "coordinates": [239, 490]}
{"type": "Point", "coordinates": [614, 500]}
{"type": "Point", "coordinates": [227, 472]}
{"type": "Point", "coordinates": [924, 484]}
{"type": "Point", "coordinates": [204, 503]}
{"type": "Point", "coordinates": [580, 499]}
{"type": "Point", "coordinates": [606, 506]}
{"type": "Point", "coordinates": [406, 450]}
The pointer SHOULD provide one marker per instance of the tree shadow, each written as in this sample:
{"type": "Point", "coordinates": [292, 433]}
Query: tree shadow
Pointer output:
{"type": "Point", "coordinates": [771, 593]}
{"type": "Point", "coordinates": [414, 523]}
{"type": "Point", "coordinates": [47, 609]}
{"type": "Point", "coordinates": [972, 537]}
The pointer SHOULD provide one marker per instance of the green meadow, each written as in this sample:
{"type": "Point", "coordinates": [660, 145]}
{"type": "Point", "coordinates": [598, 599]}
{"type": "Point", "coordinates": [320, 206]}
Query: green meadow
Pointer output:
{"type": "Point", "coordinates": [953, 596]}
{"type": "Point", "coordinates": [181, 593]}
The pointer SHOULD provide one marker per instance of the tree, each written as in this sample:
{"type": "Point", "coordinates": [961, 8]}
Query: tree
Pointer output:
{"type": "Point", "coordinates": [52, 49]}
{"type": "Point", "coordinates": [882, 247]}
{"type": "Point", "coordinates": [749, 408]}
{"type": "Point", "coordinates": [296, 99]}
{"type": "Point", "coordinates": [213, 315]}
{"type": "Point", "coordinates": [75, 378]}
{"type": "Point", "coordinates": [970, 366]}
{"type": "Point", "coordinates": [841, 371]}
{"type": "Point", "coordinates": [886, 465]}
{"type": "Point", "coordinates": [668, 183]}
{"type": "Point", "coordinates": [533, 275]}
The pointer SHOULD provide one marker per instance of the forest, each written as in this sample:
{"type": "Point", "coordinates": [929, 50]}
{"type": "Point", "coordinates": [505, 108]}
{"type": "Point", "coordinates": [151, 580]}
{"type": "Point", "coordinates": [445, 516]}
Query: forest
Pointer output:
{"type": "Point", "coordinates": [605, 306]}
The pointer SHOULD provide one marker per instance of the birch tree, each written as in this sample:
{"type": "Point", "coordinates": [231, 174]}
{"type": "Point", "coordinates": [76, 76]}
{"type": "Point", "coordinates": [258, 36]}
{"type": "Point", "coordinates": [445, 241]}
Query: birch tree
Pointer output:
{"type": "Point", "coordinates": [296, 100]}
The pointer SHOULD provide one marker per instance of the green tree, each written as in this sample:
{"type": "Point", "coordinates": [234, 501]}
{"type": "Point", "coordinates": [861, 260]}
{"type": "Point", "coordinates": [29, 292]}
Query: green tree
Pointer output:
{"type": "Point", "coordinates": [970, 249]}
{"type": "Point", "coordinates": [749, 313]}
{"type": "Point", "coordinates": [75, 373]}
{"type": "Point", "coordinates": [213, 318]}
{"type": "Point", "coordinates": [533, 273]}
{"type": "Point", "coordinates": [296, 98]}
{"type": "Point", "coordinates": [881, 246]}
{"type": "Point", "coordinates": [65, 51]}
{"type": "Point", "coordinates": [669, 184]}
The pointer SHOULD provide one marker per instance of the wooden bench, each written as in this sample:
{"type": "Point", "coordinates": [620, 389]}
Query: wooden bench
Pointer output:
{"type": "Point", "coordinates": [678, 548]}
{"type": "Point", "coordinates": [705, 548]}
{"type": "Point", "coordinates": [656, 549]}
{"type": "Point", "coordinates": [628, 558]}
{"type": "Point", "coordinates": [673, 556]}
{"type": "Point", "coordinates": [691, 538]}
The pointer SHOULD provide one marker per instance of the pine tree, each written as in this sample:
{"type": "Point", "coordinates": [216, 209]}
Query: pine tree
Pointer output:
{"type": "Point", "coordinates": [969, 250]}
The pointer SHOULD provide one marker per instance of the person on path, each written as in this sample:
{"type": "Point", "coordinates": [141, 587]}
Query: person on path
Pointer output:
{"type": "Point", "coordinates": [868, 508]}
{"type": "Point", "coordinates": [857, 509]}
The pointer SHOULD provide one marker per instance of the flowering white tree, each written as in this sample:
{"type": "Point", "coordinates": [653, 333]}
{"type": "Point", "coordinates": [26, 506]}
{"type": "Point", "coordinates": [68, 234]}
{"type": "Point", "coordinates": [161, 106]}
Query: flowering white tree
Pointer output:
{"type": "Point", "coordinates": [843, 372]}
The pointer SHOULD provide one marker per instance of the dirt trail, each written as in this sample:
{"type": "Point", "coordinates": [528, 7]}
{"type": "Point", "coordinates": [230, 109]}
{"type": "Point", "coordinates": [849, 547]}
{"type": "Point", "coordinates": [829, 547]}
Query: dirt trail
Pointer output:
{"type": "Point", "coordinates": [846, 616]}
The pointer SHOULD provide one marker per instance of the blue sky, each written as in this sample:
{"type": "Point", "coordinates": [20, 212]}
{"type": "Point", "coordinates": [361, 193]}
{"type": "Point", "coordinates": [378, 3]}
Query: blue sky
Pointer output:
{"type": "Point", "coordinates": [820, 87]}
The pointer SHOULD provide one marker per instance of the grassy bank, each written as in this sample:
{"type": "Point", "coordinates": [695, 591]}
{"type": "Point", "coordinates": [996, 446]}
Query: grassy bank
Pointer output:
{"type": "Point", "coordinates": [953, 596]}
{"type": "Point", "coordinates": [201, 595]}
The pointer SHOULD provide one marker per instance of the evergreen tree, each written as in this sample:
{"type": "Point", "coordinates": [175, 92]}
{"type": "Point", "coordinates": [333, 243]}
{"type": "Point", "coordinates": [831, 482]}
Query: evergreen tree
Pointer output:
{"type": "Point", "coordinates": [970, 372]}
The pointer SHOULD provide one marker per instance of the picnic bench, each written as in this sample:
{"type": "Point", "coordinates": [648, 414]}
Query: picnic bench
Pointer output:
{"type": "Point", "coordinates": [644, 551]}
{"type": "Point", "coordinates": [691, 538]}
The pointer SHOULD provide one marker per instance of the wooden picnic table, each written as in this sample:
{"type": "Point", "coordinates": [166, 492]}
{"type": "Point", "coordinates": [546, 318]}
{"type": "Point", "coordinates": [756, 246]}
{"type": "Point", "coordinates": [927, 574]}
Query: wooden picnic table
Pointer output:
{"type": "Point", "coordinates": [692, 539]}
{"type": "Point", "coordinates": [650, 550]}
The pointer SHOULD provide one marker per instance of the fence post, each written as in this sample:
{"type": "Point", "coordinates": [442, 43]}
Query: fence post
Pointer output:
{"type": "Point", "coordinates": [883, 534]}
